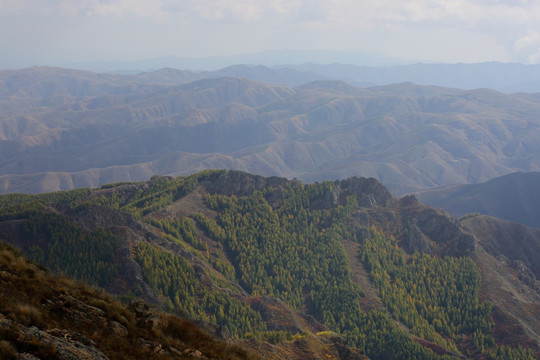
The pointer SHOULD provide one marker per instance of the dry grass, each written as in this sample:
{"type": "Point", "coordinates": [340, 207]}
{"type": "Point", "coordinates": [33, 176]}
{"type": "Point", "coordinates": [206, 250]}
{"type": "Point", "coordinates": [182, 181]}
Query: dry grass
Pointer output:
{"type": "Point", "coordinates": [31, 297]}
{"type": "Point", "coordinates": [7, 350]}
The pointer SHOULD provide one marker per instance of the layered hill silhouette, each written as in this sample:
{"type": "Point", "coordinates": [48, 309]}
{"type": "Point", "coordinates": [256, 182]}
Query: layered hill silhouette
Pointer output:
{"type": "Point", "coordinates": [290, 66]}
{"type": "Point", "coordinates": [61, 129]}
{"type": "Point", "coordinates": [505, 77]}
{"type": "Point", "coordinates": [514, 197]}
{"type": "Point", "coordinates": [292, 270]}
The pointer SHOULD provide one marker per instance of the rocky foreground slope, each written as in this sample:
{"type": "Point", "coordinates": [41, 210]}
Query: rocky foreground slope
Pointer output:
{"type": "Point", "coordinates": [46, 317]}
{"type": "Point", "coordinates": [282, 267]}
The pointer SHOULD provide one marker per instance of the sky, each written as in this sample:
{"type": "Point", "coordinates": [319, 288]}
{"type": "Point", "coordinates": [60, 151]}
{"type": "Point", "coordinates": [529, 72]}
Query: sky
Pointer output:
{"type": "Point", "coordinates": [56, 32]}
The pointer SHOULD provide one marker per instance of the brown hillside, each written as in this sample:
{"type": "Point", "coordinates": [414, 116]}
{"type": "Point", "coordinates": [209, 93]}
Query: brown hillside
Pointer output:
{"type": "Point", "coordinates": [57, 318]}
{"type": "Point", "coordinates": [61, 129]}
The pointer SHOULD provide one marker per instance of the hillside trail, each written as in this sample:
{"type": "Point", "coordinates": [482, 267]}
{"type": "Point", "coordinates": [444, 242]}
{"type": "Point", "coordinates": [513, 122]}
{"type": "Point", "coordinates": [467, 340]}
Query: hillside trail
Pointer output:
{"type": "Point", "coordinates": [372, 300]}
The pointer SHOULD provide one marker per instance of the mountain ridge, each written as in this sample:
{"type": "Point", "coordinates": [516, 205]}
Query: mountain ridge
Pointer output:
{"type": "Point", "coordinates": [511, 197]}
{"type": "Point", "coordinates": [190, 223]}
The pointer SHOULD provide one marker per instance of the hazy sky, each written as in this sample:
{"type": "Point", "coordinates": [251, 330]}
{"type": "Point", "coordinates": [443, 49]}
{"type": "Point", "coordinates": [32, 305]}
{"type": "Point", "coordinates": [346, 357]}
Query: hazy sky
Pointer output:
{"type": "Point", "coordinates": [51, 32]}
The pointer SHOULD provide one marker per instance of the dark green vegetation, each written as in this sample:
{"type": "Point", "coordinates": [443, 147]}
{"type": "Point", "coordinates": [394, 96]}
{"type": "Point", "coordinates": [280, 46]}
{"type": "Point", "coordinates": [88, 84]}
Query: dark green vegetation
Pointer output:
{"type": "Point", "coordinates": [221, 247]}
{"type": "Point", "coordinates": [85, 255]}
{"type": "Point", "coordinates": [61, 245]}
{"type": "Point", "coordinates": [436, 298]}
{"type": "Point", "coordinates": [61, 129]}
{"type": "Point", "coordinates": [296, 255]}
{"type": "Point", "coordinates": [173, 278]}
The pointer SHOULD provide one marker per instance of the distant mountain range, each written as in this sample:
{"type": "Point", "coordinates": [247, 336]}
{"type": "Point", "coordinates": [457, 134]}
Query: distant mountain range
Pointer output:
{"type": "Point", "coordinates": [504, 77]}
{"type": "Point", "coordinates": [268, 58]}
{"type": "Point", "coordinates": [514, 197]}
{"type": "Point", "coordinates": [61, 129]}
{"type": "Point", "coordinates": [356, 68]}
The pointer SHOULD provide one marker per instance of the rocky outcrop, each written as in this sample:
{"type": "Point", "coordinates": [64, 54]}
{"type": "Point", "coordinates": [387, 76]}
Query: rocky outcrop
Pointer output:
{"type": "Point", "coordinates": [67, 345]}
{"type": "Point", "coordinates": [514, 241]}
{"type": "Point", "coordinates": [370, 192]}
{"type": "Point", "coordinates": [139, 308]}
{"type": "Point", "coordinates": [46, 317]}
{"type": "Point", "coordinates": [446, 234]}
{"type": "Point", "coordinates": [240, 183]}
{"type": "Point", "coordinates": [417, 240]}
{"type": "Point", "coordinates": [63, 344]}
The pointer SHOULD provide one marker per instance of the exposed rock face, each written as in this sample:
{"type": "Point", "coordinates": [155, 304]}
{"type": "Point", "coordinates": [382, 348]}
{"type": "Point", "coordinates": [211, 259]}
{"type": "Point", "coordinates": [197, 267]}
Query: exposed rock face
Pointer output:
{"type": "Point", "coordinates": [419, 227]}
{"type": "Point", "coordinates": [75, 310]}
{"type": "Point", "coordinates": [446, 232]}
{"type": "Point", "coordinates": [115, 328]}
{"type": "Point", "coordinates": [63, 344]}
{"type": "Point", "coordinates": [369, 192]}
{"type": "Point", "coordinates": [241, 184]}
{"type": "Point", "coordinates": [525, 275]}
{"type": "Point", "coordinates": [372, 192]}
{"type": "Point", "coordinates": [139, 308]}
{"type": "Point", "coordinates": [68, 345]}
{"type": "Point", "coordinates": [417, 241]}
{"type": "Point", "coordinates": [514, 241]}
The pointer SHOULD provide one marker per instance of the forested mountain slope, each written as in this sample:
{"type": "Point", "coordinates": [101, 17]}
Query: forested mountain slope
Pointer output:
{"type": "Point", "coordinates": [61, 129]}
{"type": "Point", "coordinates": [48, 317]}
{"type": "Point", "coordinates": [286, 263]}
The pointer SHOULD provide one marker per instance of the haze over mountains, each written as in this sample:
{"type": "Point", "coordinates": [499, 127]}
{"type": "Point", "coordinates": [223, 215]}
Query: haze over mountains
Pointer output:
{"type": "Point", "coordinates": [504, 77]}
{"type": "Point", "coordinates": [268, 257]}
{"type": "Point", "coordinates": [66, 128]}
{"type": "Point", "coordinates": [355, 68]}
{"type": "Point", "coordinates": [514, 197]}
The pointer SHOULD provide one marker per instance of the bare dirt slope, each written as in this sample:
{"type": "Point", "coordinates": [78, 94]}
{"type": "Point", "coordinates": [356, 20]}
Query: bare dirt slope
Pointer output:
{"type": "Point", "coordinates": [512, 297]}
{"type": "Point", "coordinates": [372, 300]}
